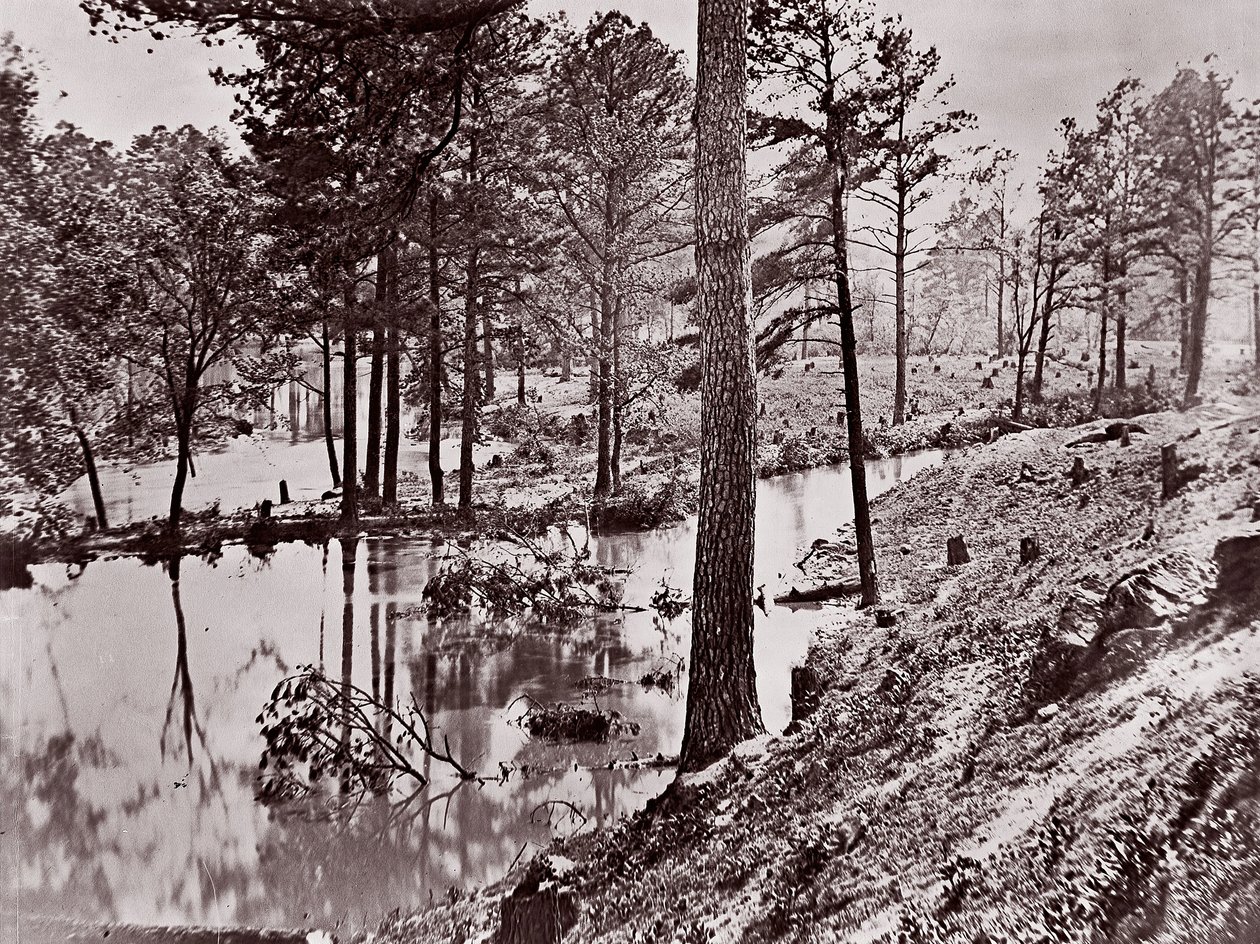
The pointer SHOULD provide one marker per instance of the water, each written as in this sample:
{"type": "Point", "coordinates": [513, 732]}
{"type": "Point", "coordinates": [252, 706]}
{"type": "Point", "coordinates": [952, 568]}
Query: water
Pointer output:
{"type": "Point", "coordinates": [132, 753]}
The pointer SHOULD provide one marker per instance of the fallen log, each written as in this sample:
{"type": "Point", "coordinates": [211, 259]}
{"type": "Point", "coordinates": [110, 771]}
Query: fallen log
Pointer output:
{"type": "Point", "coordinates": [847, 587]}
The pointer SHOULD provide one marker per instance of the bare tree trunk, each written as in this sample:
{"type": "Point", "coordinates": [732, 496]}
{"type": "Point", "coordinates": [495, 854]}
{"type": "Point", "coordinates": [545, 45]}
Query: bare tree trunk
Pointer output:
{"type": "Point", "coordinates": [1001, 298]}
{"type": "Point", "coordinates": [376, 382]}
{"type": "Point", "coordinates": [393, 391]}
{"type": "Point", "coordinates": [722, 708]}
{"type": "Point", "coordinates": [606, 340]}
{"type": "Point", "coordinates": [329, 443]}
{"type": "Point", "coordinates": [899, 278]}
{"type": "Point", "coordinates": [1199, 316]}
{"type": "Point", "coordinates": [1255, 318]}
{"type": "Point", "coordinates": [618, 395]}
{"type": "Point", "coordinates": [592, 362]}
{"type": "Point", "coordinates": [435, 360]}
{"type": "Point", "coordinates": [468, 429]}
{"type": "Point", "coordinates": [350, 411]}
{"type": "Point", "coordinates": [1119, 376]}
{"type": "Point", "coordinates": [183, 461]}
{"type": "Point", "coordinates": [1043, 339]}
{"type": "Point", "coordinates": [852, 398]}
{"type": "Point", "coordinates": [89, 465]}
{"type": "Point", "coordinates": [1183, 312]}
{"type": "Point", "coordinates": [1103, 312]}
{"type": "Point", "coordinates": [487, 354]}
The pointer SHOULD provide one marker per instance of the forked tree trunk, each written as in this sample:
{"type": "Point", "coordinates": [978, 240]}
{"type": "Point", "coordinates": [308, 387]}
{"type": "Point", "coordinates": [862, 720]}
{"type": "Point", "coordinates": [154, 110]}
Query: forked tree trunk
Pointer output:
{"type": "Point", "coordinates": [722, 708]}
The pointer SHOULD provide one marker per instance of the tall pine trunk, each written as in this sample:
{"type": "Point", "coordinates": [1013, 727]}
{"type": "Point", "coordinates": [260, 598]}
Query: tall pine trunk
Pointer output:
{"type": "Point", "coordinates": [722, 708]}
{"type": "Point", "coordinates": [435, 360]}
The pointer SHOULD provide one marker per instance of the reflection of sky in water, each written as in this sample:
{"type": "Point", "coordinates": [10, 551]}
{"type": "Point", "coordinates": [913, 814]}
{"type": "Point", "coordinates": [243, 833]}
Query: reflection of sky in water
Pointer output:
{"type": "Point", "coordinates": [103, 830]}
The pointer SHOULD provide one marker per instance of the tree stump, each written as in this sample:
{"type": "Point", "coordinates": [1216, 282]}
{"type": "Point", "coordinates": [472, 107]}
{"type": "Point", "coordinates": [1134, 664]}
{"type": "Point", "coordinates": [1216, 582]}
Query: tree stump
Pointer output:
{"type": "Point", "coordinates": [914, 370]}
{"type": "Point", "coordinates": [264, 510]}
{"type": "Point", "coordinates": [956, 551]}
{"type": "Point", "coordinates": [1029, 549]}
{"type": "Point", "coordinates": [762, 411]}
{"type": "Point", "coordinates": [1168, 469]}
{"type": "Point", "coordinates": [1150, 378]}
{"type": "Point", "coordinates": [1124, 435]}
{"type": "Point", "coordinates": [1079, 473]}
{"type": "Point", "coordinates": [986, 384]}
{"type": "Point", "coordinates": [997, 371]}
{"type": "Point", "coordinates": [807, 691]}
{"type": "Point", "coordinates": [537, 912]}
{"type": "Point", "coordinates": [885, 619]}
{"type": "Point", "coordinates": [936, 369]}
{"type": "Point", "coordinates": [777, 438]}
{"type": "Point", "coordinates": [1058, 374]}
{"type": "Point", "coordinates": [840, 418]}
{"type": "Point", "coordinates": [284, 492]}
{"type": "Point", "coordinates": [979, 365]}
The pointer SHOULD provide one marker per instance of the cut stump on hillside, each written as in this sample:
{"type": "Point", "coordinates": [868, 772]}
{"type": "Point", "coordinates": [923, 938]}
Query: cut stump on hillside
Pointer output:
{"type": "Point", "coordinates": [539, 911]}
{"type": "Point", "coordinates": [956, 551]}
{"type": "Point", "coordinates": [1168, 469]}
{"type": "Point", "coordinates": [1029, 549]}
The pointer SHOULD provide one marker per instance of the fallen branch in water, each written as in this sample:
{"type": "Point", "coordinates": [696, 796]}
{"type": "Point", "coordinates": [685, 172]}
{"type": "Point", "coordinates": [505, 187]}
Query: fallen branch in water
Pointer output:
{"type": "Point", "coordinates": [316, 727]}
{"type": "Point", "coordinates": [551, 586]}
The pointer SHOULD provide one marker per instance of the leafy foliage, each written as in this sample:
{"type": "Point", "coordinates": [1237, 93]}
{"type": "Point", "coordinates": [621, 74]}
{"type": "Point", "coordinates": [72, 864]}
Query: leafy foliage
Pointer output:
{"type": "Point", "coordinates": [318, 729]}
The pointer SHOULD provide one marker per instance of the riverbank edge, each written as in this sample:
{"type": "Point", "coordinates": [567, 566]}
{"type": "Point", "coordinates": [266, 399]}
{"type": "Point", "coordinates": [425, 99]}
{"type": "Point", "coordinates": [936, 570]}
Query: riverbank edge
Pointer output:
{"type": "Point", "coordinates": [206, 532]}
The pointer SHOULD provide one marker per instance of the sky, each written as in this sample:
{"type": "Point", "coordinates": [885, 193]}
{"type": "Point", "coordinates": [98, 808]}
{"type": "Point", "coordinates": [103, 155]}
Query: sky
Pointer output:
{"type": "Point", "coordinates": [1021, 65]}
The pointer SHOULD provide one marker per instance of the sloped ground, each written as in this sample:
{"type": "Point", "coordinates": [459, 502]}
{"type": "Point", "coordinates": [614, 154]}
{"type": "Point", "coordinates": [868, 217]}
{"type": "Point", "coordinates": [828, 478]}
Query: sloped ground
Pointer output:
{"type": "Point", "coordinates": [987, 769]}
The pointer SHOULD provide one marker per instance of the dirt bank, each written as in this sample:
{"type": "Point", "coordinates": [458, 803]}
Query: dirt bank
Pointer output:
{"type": "Point", "coordinates": [1063, 750]}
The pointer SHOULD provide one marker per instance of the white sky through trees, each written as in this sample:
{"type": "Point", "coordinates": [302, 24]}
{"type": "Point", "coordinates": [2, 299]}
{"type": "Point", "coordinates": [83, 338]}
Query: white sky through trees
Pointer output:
{"type": "Point", "coordinates": [1021, 65]}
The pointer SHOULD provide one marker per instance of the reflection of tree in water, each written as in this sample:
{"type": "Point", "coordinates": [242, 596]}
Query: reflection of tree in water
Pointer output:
{"type": "Point", "coordinates": [182, 695]}
{"type": "Point", "coordinates": [64, 836]}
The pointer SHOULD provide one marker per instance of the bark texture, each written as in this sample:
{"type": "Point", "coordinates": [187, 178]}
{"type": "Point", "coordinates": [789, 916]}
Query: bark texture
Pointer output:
{"type": "Point", "coordinates": [722, 707]}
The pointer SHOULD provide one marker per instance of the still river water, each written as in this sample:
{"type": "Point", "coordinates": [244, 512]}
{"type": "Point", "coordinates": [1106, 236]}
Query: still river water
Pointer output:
{"type": "Point", "coordinates": [131, 747]}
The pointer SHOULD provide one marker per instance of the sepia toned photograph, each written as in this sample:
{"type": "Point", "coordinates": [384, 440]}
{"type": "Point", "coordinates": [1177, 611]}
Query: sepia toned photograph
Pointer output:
{"type": "Point", "coordinates": [698, 472]}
